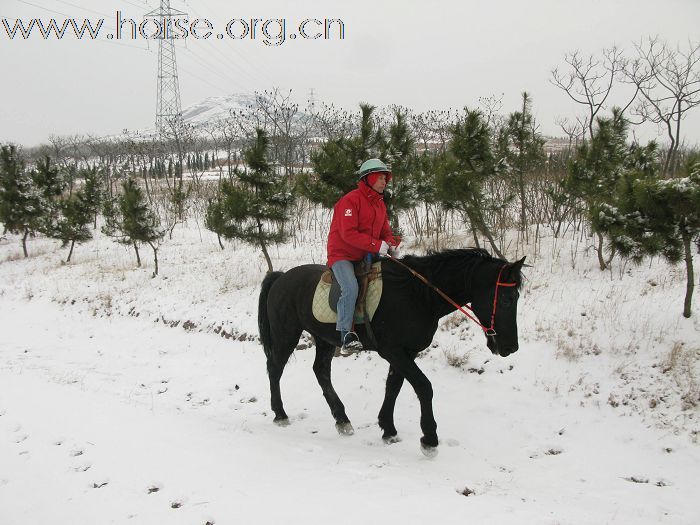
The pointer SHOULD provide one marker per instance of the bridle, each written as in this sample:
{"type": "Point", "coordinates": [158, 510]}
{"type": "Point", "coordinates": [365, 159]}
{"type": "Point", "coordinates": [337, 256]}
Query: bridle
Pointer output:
{"type": "Point", "coordinates": [488, 330]}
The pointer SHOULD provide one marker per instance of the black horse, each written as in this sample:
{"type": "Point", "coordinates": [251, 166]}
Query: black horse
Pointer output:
{"type": "Point", "coordinates": [403, 325]}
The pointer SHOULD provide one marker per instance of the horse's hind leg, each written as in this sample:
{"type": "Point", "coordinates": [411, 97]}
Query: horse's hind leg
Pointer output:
{"type": "Point", "coordinates": [275, 366]}
{"type": "Point", "coordinates": [394, 381]}
{"type": "Point", "coordinates": [322, 369]}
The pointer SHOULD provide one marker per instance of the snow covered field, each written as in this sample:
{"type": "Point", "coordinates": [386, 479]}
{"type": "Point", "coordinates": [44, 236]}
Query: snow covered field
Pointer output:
{"type": "Point", "coordinates": [127, 399]}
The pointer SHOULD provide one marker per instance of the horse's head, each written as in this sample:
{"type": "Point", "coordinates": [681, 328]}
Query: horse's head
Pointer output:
{"type": "Point", "coordinates": [495, 302]}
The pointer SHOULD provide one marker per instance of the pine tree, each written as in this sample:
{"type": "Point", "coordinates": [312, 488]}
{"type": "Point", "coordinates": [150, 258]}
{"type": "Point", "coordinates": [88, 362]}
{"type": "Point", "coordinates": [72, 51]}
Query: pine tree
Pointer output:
{"type": "Point", "coordinates": [462, 171]}
{"type": "Point", "coordinates": [649, 215]}
{"type": "Point", "coordinates": [130, 221]}
{"type": "Point", "coordinates": [93, 191]}
{"type": "Point", "coordinates": [257, 207]}
{"type": "Point", "coordinates": [76, 214]}
{"type": "Point", "coordinates": [215, 219]}
{"type": "Point", "coordinates": [20, 202]}
{"type": "Point", "coordinates": [401, 156]}
{"type": "Point", "coordinates": [50, 183]}
{"type": "Point", "coordinates": [523, 148]}
{"type": "Point", "coordinates": [595, 171]}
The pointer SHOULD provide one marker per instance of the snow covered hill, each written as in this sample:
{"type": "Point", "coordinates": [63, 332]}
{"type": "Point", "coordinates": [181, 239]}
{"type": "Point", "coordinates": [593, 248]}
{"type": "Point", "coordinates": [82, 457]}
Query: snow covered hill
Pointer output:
{"type": "Point", "coordinates": [128, 399]}
{"type": "Point", "coordinates": [214, 108]}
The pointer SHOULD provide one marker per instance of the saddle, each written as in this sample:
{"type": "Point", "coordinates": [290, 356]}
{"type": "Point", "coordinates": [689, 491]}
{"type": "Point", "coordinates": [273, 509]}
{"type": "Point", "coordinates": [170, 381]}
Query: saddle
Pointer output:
{"type": "Point", "coordinates": [325, 301]}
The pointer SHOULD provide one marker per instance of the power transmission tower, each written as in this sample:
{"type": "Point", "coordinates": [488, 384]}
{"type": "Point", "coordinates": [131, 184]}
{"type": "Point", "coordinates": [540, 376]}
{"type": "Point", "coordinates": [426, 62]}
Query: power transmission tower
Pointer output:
{"type": "Point", "coordinates": [312, 99]}
{"type": "Point", "coordinates": [168, 107]}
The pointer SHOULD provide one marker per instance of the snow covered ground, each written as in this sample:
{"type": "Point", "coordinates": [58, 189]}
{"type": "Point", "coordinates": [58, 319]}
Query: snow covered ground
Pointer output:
{"type": "Point", "coordinates": [128, 399]}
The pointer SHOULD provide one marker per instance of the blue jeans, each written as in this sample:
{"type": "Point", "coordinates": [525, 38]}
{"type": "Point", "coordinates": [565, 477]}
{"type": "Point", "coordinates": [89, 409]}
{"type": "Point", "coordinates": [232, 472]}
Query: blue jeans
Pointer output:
{"type": "Point", "coordinates": [345, 275]}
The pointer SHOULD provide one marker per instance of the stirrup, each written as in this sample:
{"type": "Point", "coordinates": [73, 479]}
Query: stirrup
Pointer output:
{"type": "Point", "coordinates": [351, 344]}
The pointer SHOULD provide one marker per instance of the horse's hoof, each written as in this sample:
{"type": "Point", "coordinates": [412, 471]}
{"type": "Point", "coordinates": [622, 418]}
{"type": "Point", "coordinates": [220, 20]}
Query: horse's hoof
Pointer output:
{"type": "Point", "coordinates": [282, 421]}
{"type": "Point", "coordinates": [390, 440]}
{"type": "Point", "coordinates": [428, 451]}
{"type": "Point", "coordinates": [345, 429]}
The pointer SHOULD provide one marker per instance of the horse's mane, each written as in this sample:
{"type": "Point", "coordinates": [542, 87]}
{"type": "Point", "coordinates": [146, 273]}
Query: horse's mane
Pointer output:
{"type": "Point", "coordinates": [447, 260]}
{"type": "Point", "coordinates": [452, 260]}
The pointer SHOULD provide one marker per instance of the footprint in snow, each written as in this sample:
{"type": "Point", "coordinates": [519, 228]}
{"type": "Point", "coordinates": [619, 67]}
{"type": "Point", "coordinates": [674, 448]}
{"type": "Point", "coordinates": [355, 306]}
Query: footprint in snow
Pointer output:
{"type": "Point", "coordinates": [100, 484]}
{"type": "Point", "coordinates": [83, 468]}
{"type": "Point", "coordinates": [552, 451]}
{"type": "Point", "coordinates": [21, 438]}
{"type": "Point", "coordinates": [152, 489]}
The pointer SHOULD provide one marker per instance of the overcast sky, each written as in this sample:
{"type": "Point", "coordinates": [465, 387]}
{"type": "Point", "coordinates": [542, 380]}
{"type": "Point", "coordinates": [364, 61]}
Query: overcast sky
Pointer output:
{"type": "Point", "coordinates": [420, 54]}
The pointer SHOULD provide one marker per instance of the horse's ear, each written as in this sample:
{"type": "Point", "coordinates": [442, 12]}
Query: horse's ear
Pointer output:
{"type": "Point", "coordinates": [517, 265]}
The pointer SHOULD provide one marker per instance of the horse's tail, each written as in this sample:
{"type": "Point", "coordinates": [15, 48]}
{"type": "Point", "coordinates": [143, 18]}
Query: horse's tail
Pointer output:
{"type": "Point", "coordinates": [263, 321]}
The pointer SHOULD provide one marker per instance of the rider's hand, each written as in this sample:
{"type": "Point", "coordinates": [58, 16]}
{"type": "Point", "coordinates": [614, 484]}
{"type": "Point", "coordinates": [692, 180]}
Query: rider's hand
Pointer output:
{"type": "Point", "coordinates": [395, 251]}
{"type": "Point", "coordinates": [384, 248]}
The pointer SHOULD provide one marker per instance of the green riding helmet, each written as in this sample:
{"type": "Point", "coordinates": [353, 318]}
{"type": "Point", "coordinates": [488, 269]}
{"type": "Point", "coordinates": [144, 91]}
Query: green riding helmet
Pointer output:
{"type": "Point", "coordinates": [372, 166]}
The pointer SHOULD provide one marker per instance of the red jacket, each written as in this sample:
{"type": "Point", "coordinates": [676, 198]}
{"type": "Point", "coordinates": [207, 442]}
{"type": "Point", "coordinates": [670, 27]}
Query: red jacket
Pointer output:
{"type": "Point", "coordinates": [359, 225]}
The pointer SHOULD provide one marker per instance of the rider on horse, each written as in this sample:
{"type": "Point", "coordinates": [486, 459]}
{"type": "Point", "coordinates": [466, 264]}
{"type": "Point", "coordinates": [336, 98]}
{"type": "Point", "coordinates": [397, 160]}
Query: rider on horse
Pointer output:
{"type": "Point", "coordinates": [359, 227]}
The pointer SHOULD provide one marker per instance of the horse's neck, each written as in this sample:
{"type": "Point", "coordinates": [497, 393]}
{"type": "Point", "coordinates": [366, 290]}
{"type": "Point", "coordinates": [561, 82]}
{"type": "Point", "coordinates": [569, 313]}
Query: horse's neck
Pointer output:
{"type": "Point", "coordinates": [456, 286]}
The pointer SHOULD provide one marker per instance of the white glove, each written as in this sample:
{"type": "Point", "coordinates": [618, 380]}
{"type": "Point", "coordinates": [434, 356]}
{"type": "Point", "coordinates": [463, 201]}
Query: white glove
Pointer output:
{"type": "Point", "coordinates": [395, 252]}
{"type": "Point", "coordinates": [384, 248]}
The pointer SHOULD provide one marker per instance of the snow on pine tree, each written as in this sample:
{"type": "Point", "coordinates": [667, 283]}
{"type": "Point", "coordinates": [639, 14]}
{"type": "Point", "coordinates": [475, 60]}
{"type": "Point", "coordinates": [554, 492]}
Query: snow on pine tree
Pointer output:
{"type": "Point", "coordinates": [130, 221]}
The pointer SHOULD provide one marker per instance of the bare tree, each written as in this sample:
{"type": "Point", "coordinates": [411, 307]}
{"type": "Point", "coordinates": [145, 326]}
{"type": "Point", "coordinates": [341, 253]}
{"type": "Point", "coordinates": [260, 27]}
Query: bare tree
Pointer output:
{"type": "Point", "coordinates": [574, 130]}
{"type": "Point", "coordinates": [668, 80]}
{"type": "Point", "coordinates": [334, 123]}
{"type": "Point", "coordinates": [589, 81]}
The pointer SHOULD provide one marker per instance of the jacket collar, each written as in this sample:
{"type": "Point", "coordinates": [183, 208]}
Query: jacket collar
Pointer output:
{"type": "Point", "coordinates": [368, 192]}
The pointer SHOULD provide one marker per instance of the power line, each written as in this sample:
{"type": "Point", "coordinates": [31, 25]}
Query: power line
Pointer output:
{"type": "Point", "coordinates": [44, 8]}
{"type": "Point", "coordinates": [84, 8]}
{"type": "Point", "coordinates": [206, 65]}
{"type": "Point", "coordinates": [136, 5]}
{"type": "Point", "coordinates": [259, 72]}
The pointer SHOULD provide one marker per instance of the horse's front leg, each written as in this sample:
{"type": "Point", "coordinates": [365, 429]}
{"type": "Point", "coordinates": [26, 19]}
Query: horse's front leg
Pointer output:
{"type": "Point", "coordinates": [394, 381]}
{"type": "Point", "coordinates": [404, 365]}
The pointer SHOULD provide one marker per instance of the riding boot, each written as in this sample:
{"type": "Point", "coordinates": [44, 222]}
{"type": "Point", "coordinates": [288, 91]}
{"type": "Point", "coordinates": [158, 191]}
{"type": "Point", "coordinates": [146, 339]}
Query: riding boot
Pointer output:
{"type": "Point", "coordinates": [351, 343]}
